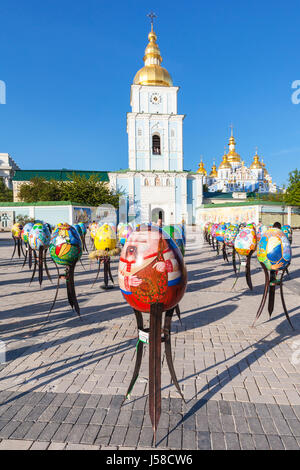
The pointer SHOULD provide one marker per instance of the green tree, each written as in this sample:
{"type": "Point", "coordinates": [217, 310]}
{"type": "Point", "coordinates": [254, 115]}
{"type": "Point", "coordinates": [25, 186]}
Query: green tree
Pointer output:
{"type": "Point", "coordinates": [87, 191]}
{"type": "Point", "coordinates": [39, 189]}
{"type": "Point", "coordinates": [292, 195]}
{"type": "Point", "coordinates": [6, 195]}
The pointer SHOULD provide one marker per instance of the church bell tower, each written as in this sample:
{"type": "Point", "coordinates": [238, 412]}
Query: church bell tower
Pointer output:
{"type": "Point", "coordinates": [154, 128]}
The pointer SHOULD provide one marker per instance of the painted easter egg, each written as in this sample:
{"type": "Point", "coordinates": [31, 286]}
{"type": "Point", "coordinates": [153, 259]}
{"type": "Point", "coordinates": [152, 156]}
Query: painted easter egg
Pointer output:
{"type": "Point", "coordinates": [231, 234]}
{"type": "Point", "coordinates": [260, 230]}
{"type": "Point", "coordinates": [123, 233]}
{"type": "Point", "coordinates": [245, 241]}
{"type": "Point", "coordinates": [151, 269]}
{"type": "Point", "coordinates": [105, 238]}
{"type": "Point", "coordinates": [213, 230]}
{"type": "Point", "coordinates": [25, 231]}
{"type": "Point", "coordinates": [65, 245]}
{"type": "Point", "coordinates": [274, 250]}
{"type": "Point", "coordinates": [82, 225]}
{"type": "Point", "coordinates": [176, 235]}
{"type": "Point", "coordinates": [93, 228]}
{"type": "Point", "coordinates": [287, 230]}
{"type": "Point", "coordinates": [78, 228]}
{"type": "Point", "coordinates": [220, 232]}
{"type": "Point", "coordinates": [16, 230]}
{"type": "Point", "coordinates": [39, 236]}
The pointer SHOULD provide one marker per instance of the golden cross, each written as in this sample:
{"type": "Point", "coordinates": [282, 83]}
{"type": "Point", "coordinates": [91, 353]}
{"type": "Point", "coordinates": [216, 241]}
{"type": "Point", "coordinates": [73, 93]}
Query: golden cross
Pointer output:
{"type": "Point", "coordinates": [152, 15]}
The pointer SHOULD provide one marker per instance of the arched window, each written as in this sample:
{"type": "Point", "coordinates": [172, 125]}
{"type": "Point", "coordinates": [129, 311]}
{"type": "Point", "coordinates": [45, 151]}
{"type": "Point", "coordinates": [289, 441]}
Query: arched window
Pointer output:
{"type": "Point", "coordinates": [146, 182]}
{"type": "Point", "coordinates": [157, 181]}
{"type": "Point", "coordinates": [167, 182]}
{"type": "Point", "coordinates": [156, 144]}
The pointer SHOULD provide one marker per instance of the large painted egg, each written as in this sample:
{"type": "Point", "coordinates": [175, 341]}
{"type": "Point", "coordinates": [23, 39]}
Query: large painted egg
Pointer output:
{"type": "Point", "coordinates": [65, 245]}
{"type": "Point", "coordinates": [209, 228]}
{"type": "Point", "coordinates": [123, 233]}
{"type": "Point", "coordinates": [230, 235]}
{"type": "Point", "coordinates": [176, 235]}
{"type": "Point", "coordinates": [105, 238]}
{"type": "Point", "coordinates": [16, 230]}
{"type": "Point", "coordinates": [93, 228]}
{"type": "Point", "coordinates": [220, 232]}
{"type": "Point", "coordinates": [78, 228]}
{"type": "Point", "coordinates": [213, 230]}
{"type": "Point", "coordinates": [260, 230]}
{"type": "Point", "coordinates": [151, 270]}
{"type": "Point", "coordinates": [82, 225]}
{"type": "Point", "coordinates": [25, 231]}
{"type": "Point", "coordinates": [245, 241]}
{"type": "Point", "coordinates": [274, 250]}
{"type": "Point", "coordinates": [287, 230]}
{"type": "Point", "coordinates": [39, 236]}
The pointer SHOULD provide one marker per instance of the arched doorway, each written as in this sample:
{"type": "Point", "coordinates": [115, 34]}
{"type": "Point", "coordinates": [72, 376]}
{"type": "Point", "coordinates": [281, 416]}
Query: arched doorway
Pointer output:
{"type": "Point", "coordinates": [155, 213]}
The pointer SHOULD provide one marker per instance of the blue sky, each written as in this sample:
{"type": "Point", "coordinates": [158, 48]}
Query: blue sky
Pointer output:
{"type": "Point", "coordinates": [68, 66]}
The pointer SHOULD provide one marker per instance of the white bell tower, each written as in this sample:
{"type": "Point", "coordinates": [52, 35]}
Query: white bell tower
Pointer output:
{"type": "Point", "coordinates": [154, 128]}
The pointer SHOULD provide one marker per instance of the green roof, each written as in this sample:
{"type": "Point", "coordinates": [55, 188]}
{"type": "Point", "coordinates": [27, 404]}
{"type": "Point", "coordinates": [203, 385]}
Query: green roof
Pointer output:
{"type": "Point", "coordinates": [58, 175]}
{"type": "Point", "coordinates": [42, 203]}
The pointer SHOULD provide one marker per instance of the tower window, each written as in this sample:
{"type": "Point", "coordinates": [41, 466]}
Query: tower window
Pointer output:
{"type": "Point", "coordinates": [156, 144]}
{"type": "Point", "coordinates": [172, 133]}
{"type": "Point", "coordinates": [139, 132]}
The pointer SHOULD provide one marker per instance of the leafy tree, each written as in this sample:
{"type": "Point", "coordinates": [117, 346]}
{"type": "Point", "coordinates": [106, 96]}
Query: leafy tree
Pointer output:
{"type": "Point", "coordinates": [87, 191]}
{"type": "Point", "coordinates": [39, 189]}
{"type": "Point", "coordinates": [292, 195]}
{"type": "Point", "coordinates": [6, 195]}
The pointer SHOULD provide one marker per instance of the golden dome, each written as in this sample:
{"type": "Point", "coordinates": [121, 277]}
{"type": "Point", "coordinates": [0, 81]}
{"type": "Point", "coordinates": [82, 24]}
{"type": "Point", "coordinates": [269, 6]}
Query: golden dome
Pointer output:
{"type": "Point", "coordinates": [201, 169]}
{"type": "Point", "coordinates": [213, 173]}
{"type": "Point", "coordinates": [233, 157]}
{"type": "Point", "coordinates": [256, 165]}
{"type": "Point", "coordinates": [225, 163]}
{"type": "Point", "coordinates": [152, 73]}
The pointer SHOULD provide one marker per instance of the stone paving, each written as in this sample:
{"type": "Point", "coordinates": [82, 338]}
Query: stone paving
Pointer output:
{"type": "Point", "coordinates": [64, 381]}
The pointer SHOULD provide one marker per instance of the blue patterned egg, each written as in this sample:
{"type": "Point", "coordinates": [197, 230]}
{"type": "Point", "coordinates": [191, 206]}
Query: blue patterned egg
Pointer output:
{"type": "Point", "coordinates": [274, 250]}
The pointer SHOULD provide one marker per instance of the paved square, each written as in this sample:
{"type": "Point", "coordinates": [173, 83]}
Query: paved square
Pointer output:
{"type": "Point", "coordinates": [63, 384]}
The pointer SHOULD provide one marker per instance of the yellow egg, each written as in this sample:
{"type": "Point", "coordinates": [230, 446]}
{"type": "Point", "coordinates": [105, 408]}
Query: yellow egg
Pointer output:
{"type": "Point", "coordinates": [105, 238]}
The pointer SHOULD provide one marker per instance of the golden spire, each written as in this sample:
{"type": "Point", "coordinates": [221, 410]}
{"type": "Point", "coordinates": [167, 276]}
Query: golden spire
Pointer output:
{"type": "Point", "coordinates": [233, 157]}
{"type": "Point", "coordinates": [225, 163]}
{"type": "Point", "coordinates": [213, 173]}
{"type": "Point", "coordinates": [152, 74]}
{"type": "Point", "coordinates": [256, 165]}
{"type": "Point", "coordinates": [201, 169]}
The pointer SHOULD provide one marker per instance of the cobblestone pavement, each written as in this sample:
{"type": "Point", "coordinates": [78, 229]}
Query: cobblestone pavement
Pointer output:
{"type": "Point", "coordinates": [64, 380]}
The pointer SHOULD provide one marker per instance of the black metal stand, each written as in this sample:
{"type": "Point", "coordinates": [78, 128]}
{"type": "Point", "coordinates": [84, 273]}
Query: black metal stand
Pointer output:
{"type": "Point", "coordinates": [28, 254]}
{"type": "Point", "coordinates": [247, 265]}
{"type": "Point", "coordinates": [18, 247]}
{"type": "Point", "coordinates": [84, 247]}
{"type": "Point", "coordinates": [271, 282]}
{"type": "Point", "coordinates": [213, 243]}
{"type": "Point", "coordinates": [224, 253]}
{"type": "Point", "coordinates": [40, 261]}
{"type": "Point", "coordinates": [154, 337]}
{"type": "Point", "coordinates": [69, 278]}
{"type": "Point", "coordinates": [106, 273]}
